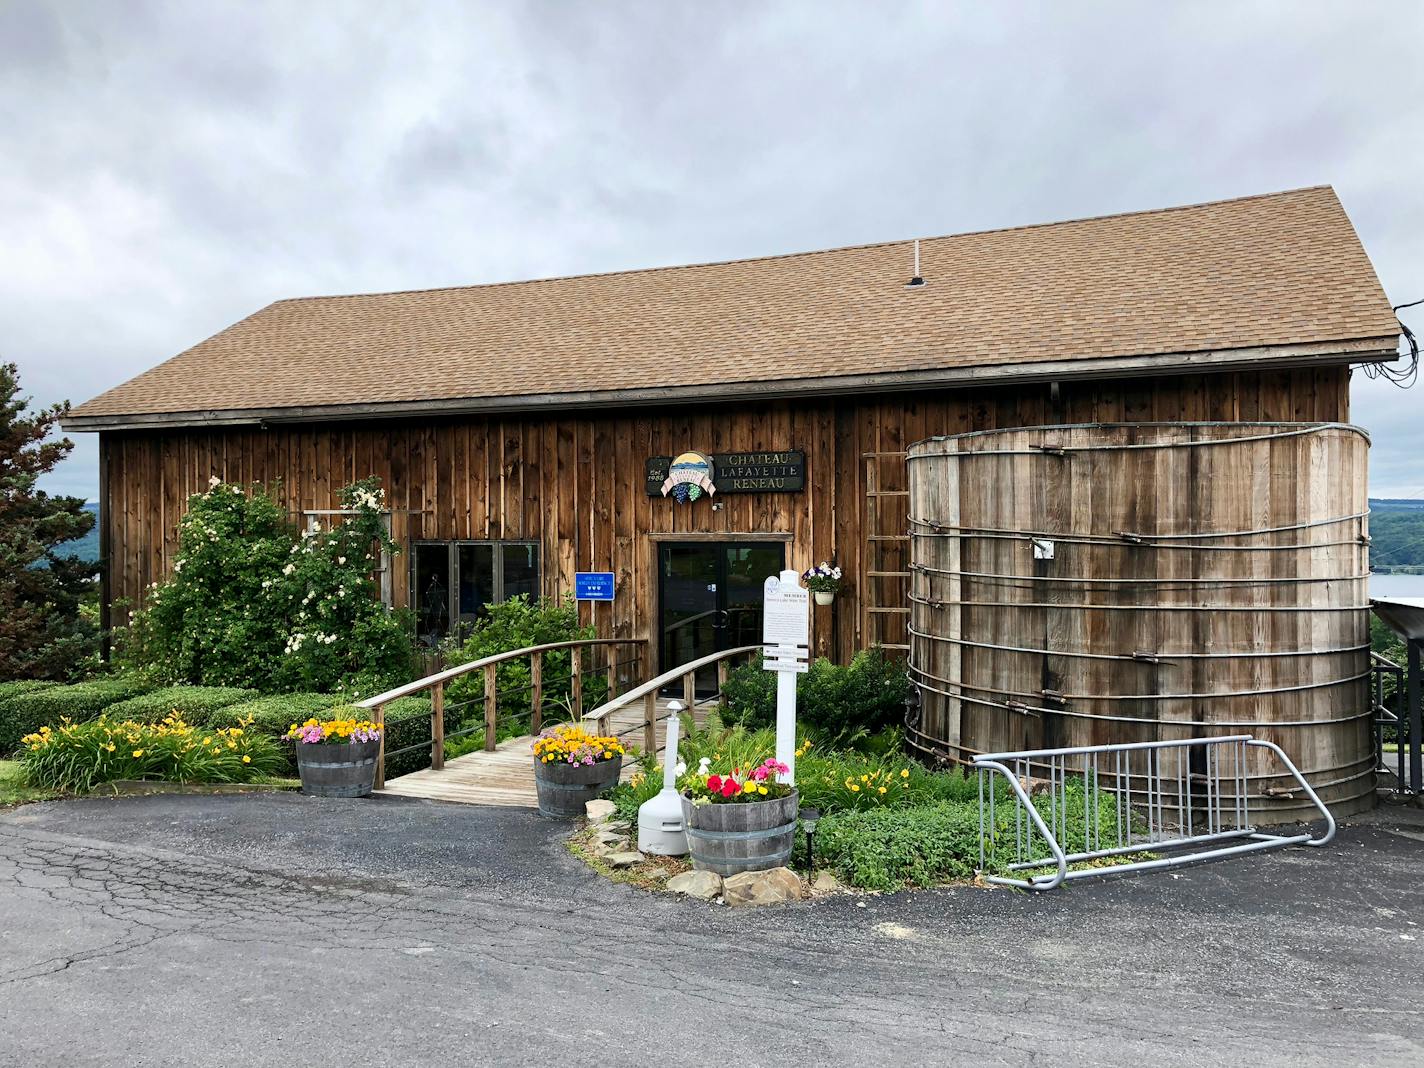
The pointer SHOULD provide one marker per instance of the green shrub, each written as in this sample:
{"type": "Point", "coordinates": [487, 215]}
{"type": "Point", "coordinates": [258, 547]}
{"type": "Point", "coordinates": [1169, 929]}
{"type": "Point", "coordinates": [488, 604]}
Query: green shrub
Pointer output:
{"type": "Point", "coordinates": [274, 714]}
{"type": "Point", "coordinates": [80, 756]}
{"type": "Point", "coordinates": [892, 848]}
{"type": "Point", "coordinates": [846, 781]}
{"type": "Point", "coordinates": [19, 686]}
{"type": "Point", "coordinates": [251, 603]}
{"type": "Point", "coordinates": [838, 705]}
{"type": "Point", "coordinates": [924, 844]}
{"type": "Point", "coordinates": [194, 704]}
{"type": "Point", "coordinates": [27, 712]}
{"type": "Point", "coordinates": [408, 723]}
{"type": "Point", "coordinates": [518, 623]}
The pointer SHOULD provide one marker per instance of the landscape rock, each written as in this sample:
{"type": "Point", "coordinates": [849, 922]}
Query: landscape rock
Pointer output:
{"type": "Point", "coordinates": [625, 859]}
{"type": "Point", "coordinates": [621, 826]}
{"type": "Point", "coordinates": [599, 810]}
{"type": "Point", "coordinates": [703, 885]}
{"type": "Point", "coordinates": [607, 837]}
{"type": "Point", "coordinates": [775, 886]}
{"type": "Point", "coordinates": [826, 882]}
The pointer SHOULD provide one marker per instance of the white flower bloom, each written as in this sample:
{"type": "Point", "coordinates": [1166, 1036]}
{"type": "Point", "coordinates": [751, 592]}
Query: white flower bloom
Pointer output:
{"type": "Point", "coordinates": [289, 569]}
{"type": "Point", "coordinates": [177, 566]}
{"type": "Point", "coordinates": [214, 482]}
{"type": "Point", "coordinates": [704, 765]}
{"type": "Point", "coordinates": [680, 768]}
{"type": "Point", "coordinates": [340, 560]}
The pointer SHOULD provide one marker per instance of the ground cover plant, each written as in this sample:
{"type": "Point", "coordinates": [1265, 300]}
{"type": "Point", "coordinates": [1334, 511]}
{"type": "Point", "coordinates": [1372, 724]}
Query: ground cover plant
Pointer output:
{"type": "Point", "coordinates": [25, 712]}
{"type": "Point", "coordinates": [887, 822]}
{"type": "Point", "coordinates": [76, 757]}
{"type": "Point", "coordinates": [253, 603]}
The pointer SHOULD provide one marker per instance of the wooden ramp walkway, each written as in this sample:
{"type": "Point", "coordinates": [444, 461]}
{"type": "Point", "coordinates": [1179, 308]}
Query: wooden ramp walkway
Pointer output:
{"type": "Point", "coordinates": [506, 776]}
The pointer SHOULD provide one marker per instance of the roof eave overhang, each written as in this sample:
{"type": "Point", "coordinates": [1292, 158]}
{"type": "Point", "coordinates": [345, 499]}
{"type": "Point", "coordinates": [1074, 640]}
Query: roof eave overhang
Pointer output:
{"type": "Point", "coordinates": [1361, 350]}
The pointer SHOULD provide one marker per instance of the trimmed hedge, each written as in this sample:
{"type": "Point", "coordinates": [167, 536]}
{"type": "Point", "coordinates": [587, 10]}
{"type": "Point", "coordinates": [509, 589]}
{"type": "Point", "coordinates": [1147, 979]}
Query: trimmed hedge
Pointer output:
{"type": "Point", "coordinates": [195, 704]}
{"type": "Point", "coordinates": [26, 713]}
{"type": "Point", "coordinates": [275, 713]}
{"type": "Point", "coordinates": [19, 686]}
{"type": "Point", "coordinates": [408, 723]}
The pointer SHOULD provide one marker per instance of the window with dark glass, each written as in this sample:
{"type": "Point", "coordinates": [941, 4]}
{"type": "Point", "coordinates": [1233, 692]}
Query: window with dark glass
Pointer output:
{"type": "Point", "coordinates": [453, 581]}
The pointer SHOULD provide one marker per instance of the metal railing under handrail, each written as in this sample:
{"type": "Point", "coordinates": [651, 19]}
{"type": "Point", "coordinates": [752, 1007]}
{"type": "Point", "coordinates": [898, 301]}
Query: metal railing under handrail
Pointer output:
{"type": "Point", "coordinates": [489, 665]}
{"type": "Point", "coordinates": [647, 692]}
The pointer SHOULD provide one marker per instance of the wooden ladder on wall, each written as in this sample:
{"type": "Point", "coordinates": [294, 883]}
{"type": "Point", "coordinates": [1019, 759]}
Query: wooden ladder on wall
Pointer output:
{"type": "Point", "coordinates": [885, 601]}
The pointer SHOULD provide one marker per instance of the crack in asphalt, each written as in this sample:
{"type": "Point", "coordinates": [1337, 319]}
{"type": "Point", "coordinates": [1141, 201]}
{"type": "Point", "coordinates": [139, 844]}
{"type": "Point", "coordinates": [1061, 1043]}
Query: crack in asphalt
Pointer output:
{"type": "Point", "coordinates": [1006, 978]}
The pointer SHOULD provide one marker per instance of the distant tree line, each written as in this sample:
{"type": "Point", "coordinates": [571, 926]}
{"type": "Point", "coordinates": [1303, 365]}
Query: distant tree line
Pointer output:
{"type": "Point", "coordinates": [1396, 535]}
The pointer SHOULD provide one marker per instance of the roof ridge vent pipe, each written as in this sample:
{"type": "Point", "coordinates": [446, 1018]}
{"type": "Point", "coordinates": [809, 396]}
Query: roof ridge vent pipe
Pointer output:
{"type": "Point", "coordinates": [660, 824]}
{"type": "Point", "coordinates": [916, 281]}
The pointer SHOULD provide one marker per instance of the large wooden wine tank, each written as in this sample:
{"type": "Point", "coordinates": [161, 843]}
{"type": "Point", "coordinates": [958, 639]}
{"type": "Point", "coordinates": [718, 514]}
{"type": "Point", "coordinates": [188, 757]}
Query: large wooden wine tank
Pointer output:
{"type": "Point", "coordinates": [1083, 585]}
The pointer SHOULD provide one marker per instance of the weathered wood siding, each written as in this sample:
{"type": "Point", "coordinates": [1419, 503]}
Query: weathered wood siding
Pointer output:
{"type": "Point", "coordinates": [575, 481]}
{"type": "Point", "coordinates": [1239, 604]}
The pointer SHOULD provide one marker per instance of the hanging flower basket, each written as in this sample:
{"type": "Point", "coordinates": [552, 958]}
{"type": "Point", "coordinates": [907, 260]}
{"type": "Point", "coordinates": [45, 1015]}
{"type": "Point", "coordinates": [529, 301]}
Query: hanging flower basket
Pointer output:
{"type": "Point", "coordinates": [823, 580]}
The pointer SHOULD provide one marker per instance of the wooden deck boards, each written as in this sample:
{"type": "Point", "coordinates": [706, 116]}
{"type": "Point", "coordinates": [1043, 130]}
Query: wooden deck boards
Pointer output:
{"type": "Point", "coordinates": [505, 777]}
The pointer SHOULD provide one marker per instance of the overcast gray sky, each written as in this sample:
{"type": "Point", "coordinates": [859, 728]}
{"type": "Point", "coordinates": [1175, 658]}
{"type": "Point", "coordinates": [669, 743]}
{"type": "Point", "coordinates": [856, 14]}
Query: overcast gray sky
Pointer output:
{"type": "Point", "coordinates": [167, 168]}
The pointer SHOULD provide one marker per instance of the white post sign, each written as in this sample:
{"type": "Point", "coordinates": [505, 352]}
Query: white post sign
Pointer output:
{"type": "Point", "coordinates": [786, 633]}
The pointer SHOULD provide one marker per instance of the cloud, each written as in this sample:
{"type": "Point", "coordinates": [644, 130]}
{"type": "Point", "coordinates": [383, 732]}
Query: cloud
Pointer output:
{"type": "Point", "coordinates": [170, 167]}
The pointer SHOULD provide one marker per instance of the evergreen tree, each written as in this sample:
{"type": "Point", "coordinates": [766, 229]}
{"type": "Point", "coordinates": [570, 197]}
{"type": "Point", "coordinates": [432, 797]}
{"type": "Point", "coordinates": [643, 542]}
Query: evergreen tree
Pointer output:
{"type": "Point", "coordinates": [43, 633]}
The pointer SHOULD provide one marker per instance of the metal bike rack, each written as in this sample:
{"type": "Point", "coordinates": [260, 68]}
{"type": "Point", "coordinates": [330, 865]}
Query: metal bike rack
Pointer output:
{"type": "Point", "coordinates": [1189, 797]}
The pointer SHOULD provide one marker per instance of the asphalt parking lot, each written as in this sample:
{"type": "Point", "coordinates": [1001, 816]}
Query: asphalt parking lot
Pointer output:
{"type": "Point", "coordinates": [279, 929]}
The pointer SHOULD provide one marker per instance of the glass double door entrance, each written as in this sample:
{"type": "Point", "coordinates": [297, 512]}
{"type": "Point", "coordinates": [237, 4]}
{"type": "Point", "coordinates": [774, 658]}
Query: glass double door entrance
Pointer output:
{"type": "Point", "coordinates": [710, 599]}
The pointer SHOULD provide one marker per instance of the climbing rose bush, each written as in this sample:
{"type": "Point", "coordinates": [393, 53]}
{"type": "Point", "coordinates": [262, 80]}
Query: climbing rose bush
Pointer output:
{"type": "Point", "coordinates": [253, 602]}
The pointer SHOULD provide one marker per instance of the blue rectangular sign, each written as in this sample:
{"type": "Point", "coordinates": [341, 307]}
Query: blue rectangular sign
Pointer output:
{"type": "Point", "coordinates": [593, 585]}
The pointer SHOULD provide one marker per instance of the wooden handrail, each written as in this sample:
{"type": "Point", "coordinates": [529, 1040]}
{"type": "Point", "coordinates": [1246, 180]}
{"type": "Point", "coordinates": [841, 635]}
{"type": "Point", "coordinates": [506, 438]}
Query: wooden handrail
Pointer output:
{"type": "Point", "coordinates": [648, 692]}
{"type": "Point", "coordinates": [489, 665]}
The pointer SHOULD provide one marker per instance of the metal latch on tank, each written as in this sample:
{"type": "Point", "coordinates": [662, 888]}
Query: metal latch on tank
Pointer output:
{"type": "Point", "coordinates": [1042, 548]}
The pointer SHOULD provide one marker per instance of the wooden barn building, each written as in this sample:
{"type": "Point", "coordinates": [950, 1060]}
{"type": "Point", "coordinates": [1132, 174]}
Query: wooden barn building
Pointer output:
{"type": "Point", "coordinates": [525, 431]}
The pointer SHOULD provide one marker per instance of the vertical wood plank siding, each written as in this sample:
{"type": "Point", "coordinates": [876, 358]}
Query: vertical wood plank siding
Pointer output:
{"type": "Point", "coordinates": [575, 481]}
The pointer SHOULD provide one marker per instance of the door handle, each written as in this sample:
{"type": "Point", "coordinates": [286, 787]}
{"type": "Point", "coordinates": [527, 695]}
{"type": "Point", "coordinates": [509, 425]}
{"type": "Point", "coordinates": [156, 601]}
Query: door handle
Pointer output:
{"type": "Point", "coordinates": [721, 619]}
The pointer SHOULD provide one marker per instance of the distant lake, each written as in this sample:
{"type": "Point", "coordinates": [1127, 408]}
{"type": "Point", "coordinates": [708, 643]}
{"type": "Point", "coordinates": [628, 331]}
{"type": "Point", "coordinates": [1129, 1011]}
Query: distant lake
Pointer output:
{"type": "Point", "coordinates": [1396, 585]}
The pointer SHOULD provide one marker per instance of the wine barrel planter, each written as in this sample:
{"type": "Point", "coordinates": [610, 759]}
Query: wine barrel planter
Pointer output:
{"type": "Point", "coordinates": [341, 770]}
{"type": "Point", "coordinates": [733, 838]}
{"type": "Point", "coordinates": [565, 788]}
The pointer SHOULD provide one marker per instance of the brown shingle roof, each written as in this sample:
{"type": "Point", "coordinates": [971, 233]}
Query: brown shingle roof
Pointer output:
{"type": "Point", "coordinates": [1281, 269]}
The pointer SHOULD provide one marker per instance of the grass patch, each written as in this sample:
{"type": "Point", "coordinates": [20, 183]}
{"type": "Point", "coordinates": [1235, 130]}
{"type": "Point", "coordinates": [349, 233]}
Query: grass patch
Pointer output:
{"type": "Point", "coordinates": [13, 790]}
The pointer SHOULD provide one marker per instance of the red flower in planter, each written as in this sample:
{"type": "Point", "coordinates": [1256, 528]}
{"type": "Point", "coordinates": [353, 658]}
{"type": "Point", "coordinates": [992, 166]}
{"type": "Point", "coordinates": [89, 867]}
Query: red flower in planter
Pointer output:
{"type": "Point", "coordinates": [729, 787]}
{"type": "Point", "coordinates": [714, 783]}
